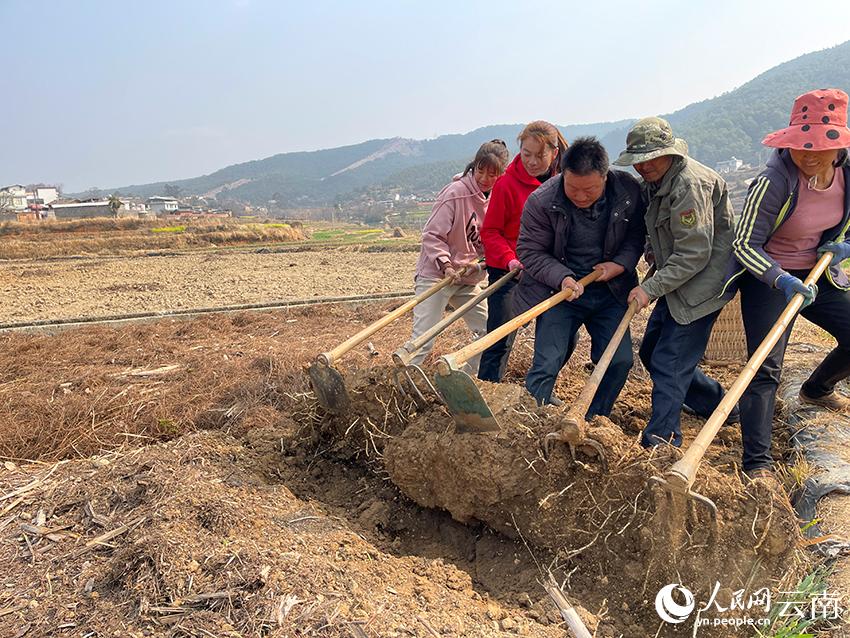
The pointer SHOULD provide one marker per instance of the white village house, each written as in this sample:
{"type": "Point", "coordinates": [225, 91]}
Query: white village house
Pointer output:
{"type": "Point", "coordinates": [160, 204]}
{"type": "Point", "coordinates": [13, 198]}
{"type": "Point", "coordinates": [729, 166]}
{"type": "Point", "coordinates": [44, 195]}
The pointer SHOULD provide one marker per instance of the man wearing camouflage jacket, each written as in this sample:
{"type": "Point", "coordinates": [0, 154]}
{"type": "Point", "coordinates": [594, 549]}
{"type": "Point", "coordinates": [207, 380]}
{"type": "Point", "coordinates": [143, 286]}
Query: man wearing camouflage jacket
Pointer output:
{"type": "Point", "coordinates": [690, 225]}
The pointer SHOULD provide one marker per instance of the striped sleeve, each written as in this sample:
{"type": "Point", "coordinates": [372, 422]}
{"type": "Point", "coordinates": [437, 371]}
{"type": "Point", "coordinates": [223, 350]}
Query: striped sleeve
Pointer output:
{"type": "Point", "coordinates": [755, 226]}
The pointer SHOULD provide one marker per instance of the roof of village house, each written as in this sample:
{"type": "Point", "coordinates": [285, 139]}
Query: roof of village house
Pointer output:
{"type": "Point", "coordinates": [103, 202]}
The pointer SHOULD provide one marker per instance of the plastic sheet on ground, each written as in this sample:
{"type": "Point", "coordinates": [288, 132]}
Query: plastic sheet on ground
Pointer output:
{"type": "Point", "coordinates": [823, 438]}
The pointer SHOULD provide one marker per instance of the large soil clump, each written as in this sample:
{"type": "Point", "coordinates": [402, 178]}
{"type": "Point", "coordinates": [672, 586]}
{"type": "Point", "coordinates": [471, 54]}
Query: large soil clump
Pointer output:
{"type": "Point", "coordinates": [623, 535]}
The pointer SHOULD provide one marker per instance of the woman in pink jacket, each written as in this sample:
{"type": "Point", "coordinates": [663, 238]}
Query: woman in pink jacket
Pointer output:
{"type": "Point", "coordinates": [451, 240]}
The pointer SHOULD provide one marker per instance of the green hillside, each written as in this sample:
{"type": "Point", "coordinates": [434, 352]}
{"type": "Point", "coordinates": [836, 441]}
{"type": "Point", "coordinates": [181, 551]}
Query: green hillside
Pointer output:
{"type": "Point", "coordinates": [735, 123]}
{"type": "Point", "coordinates": [325, 176]}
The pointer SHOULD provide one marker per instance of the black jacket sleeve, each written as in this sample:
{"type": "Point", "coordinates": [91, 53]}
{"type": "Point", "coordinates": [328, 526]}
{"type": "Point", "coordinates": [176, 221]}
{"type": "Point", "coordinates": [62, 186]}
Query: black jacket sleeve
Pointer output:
{"type": "Point", "coordinates": [536, 245]}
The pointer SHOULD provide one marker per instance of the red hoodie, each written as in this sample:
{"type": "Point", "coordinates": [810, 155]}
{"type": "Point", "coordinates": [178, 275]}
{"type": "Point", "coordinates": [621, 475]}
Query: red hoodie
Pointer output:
{"type": "Point", "coordinates": [501, 223]}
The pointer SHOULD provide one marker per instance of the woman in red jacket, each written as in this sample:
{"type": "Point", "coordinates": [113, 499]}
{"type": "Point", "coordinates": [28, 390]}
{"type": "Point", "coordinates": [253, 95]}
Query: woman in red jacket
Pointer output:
{"type": "Point", "coordinates": [540, 147]}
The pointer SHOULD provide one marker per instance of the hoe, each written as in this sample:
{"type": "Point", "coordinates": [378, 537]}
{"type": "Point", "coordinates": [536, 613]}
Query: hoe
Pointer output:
{"type": "Point", "coordinates": [677, 481]}
{"type": "Point", "coordinates": [403, 356]}
{"type": "Point", "coordinates": [462, 397]}
{"type": "Point", "coordinates": [574, 430]}
{"type": "Point", "coordinates": [575, 427]}
{"type": "Point", "coordinates": [327, 381]}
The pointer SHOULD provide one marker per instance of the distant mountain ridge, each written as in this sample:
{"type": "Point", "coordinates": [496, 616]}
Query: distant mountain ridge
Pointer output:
{"type": "Point", "coordinates": [734, 123]}
{"type": "Point", "coordinates": [321, 177]}
{"type": "Point", "coordinates": [716, 129]}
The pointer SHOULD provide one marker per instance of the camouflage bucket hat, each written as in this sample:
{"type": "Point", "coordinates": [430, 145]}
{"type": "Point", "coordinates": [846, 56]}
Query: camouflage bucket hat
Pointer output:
{"type": "Point", "coordinates": [649, 138]}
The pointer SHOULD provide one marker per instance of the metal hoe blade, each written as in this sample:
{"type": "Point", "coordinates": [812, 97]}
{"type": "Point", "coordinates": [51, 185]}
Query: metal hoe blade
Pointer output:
{"type": "Point", "coordinates": [572, 443]}
{"type": "Point", "coordinates": [329, 387]}
{"type": "Point", "coordinates": [672, 490]}
{"type": "Point", "coordinates": [463, 399]}
{"type": "Point", "coordinates": [405, 383]}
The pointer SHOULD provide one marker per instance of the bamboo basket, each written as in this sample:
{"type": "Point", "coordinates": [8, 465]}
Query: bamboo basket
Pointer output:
{"type": "Point", "coordinates": [728, 343]}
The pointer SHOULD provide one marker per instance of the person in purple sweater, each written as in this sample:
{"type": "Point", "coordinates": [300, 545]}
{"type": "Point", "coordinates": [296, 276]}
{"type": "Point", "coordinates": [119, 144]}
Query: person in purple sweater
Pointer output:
{"type": "Point", "coordinates": [796, 209]}
{"type": "Point", "coordinates": [451, 239]}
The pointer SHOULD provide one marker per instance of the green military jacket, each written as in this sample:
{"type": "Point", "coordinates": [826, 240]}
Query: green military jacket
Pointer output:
{"type": "Point", "coordinates": [690, 223]}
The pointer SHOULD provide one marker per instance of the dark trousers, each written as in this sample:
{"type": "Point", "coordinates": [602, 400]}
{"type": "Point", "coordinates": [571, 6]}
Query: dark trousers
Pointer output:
{"type": "Point", "coordinates": [555, 339]}
{"type": "Point", "coordinates": [671, 353]}
{"type": "Point", "coordinates": [494, 360]}
{"type": "Point", "coordinates": [761, 306]}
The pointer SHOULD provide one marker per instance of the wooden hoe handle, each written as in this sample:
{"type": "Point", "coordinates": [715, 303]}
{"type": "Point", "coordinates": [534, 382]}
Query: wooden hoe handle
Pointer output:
{"type": "Point", "coordinates": [328, 358]}
{"type": "Point", "coordinates": [406, 353]}
{"type": "Point", "coordinates": [582, 403]}
{"type": "Point", "coordinates": [458, 358]}
{"type": "Point", "coordinates": [681, 476]}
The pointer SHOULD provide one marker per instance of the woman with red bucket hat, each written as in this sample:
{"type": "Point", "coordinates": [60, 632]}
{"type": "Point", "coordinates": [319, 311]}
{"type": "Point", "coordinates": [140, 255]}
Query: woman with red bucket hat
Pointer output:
{"type": "Point", "coordinates": [796, 209]}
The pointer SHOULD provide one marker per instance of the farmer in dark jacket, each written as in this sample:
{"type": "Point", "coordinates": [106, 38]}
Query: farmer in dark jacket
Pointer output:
{"type": "Point", "coordinates": [587, 218]}
{"type": "Point", "coordinates": [689, 221]}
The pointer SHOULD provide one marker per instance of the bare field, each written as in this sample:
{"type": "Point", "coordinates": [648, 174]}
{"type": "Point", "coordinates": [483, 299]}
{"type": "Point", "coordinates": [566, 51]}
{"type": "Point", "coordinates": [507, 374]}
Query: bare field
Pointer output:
{"type": "Point", "coordinates": [232, 499]}
{"type": "Point", "coordinates": [232, 505]}
{"type": "Point", "coordinates": [35, 290]}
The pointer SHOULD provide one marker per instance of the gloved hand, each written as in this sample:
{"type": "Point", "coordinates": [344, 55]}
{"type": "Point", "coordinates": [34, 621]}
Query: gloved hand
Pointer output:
{"type": "Point", "coordinates": [790, 286]}
{"type": "Point", "coordinates": [840, 251]}
{"type": "Point", "coordinates": [513, 264]}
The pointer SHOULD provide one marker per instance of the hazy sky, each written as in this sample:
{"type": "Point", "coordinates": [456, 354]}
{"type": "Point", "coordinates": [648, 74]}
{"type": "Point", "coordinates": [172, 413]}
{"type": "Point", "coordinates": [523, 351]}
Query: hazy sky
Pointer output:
{"type": "Point", "coordinates": [114, 92]}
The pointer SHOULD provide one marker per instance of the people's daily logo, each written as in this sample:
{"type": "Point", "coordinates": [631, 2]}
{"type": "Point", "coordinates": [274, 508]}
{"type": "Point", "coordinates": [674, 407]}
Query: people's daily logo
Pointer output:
{"type": "Point", "coordinates": [668, 609]}
{"type": "Point", "coordinates": [675, 604]}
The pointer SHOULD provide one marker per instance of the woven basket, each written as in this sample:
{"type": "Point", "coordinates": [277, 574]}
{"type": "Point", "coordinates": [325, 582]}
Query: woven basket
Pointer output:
{"type": "Point", "coordinates": [727, 343]}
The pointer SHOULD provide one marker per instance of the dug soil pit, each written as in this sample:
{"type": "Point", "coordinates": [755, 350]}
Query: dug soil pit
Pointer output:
{"type": "Point", "coordinates": [619, 538]}
{"type": "Point", "coordinates": [198, 537]}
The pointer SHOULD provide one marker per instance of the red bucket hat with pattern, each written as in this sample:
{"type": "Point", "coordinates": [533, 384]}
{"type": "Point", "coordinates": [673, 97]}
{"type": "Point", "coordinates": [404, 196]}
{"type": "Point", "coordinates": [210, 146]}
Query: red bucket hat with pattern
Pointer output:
{"type": "Point", "coordinates": [818, 123]}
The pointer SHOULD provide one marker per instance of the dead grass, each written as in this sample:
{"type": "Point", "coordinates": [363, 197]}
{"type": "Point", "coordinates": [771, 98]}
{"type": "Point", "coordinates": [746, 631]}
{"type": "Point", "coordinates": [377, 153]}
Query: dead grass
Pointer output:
{"type": "Point", "coordinates": [86, 390]}
{"type": "Point", "coordinates": [89, 389]}
{"type": "Point", "coordinates": [91, 225]}
{"type": "Point", "coordinates": [110, 236]}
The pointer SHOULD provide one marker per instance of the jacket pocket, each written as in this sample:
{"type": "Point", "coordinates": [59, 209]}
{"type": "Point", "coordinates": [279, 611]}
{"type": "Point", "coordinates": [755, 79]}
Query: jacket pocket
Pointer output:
{"type": "Point", "coordinates": [696, 294]}
{"type": "Point", "coordinates": [705, 285]}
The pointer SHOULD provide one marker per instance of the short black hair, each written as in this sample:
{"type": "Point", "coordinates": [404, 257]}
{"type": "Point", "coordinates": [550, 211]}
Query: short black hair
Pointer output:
{"type": "Point", "coordinates": [584, 156]}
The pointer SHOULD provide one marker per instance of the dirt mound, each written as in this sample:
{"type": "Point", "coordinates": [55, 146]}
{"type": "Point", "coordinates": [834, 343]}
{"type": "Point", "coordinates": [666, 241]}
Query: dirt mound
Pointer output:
{"type": "Point", "coordinates": [190, 538]}
{"type": "Point", "coordinates": [601, 522]}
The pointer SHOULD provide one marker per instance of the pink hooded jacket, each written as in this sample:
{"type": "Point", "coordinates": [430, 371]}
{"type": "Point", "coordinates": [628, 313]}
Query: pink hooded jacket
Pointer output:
{"type": "Point", "coordinates": [451, 235]}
